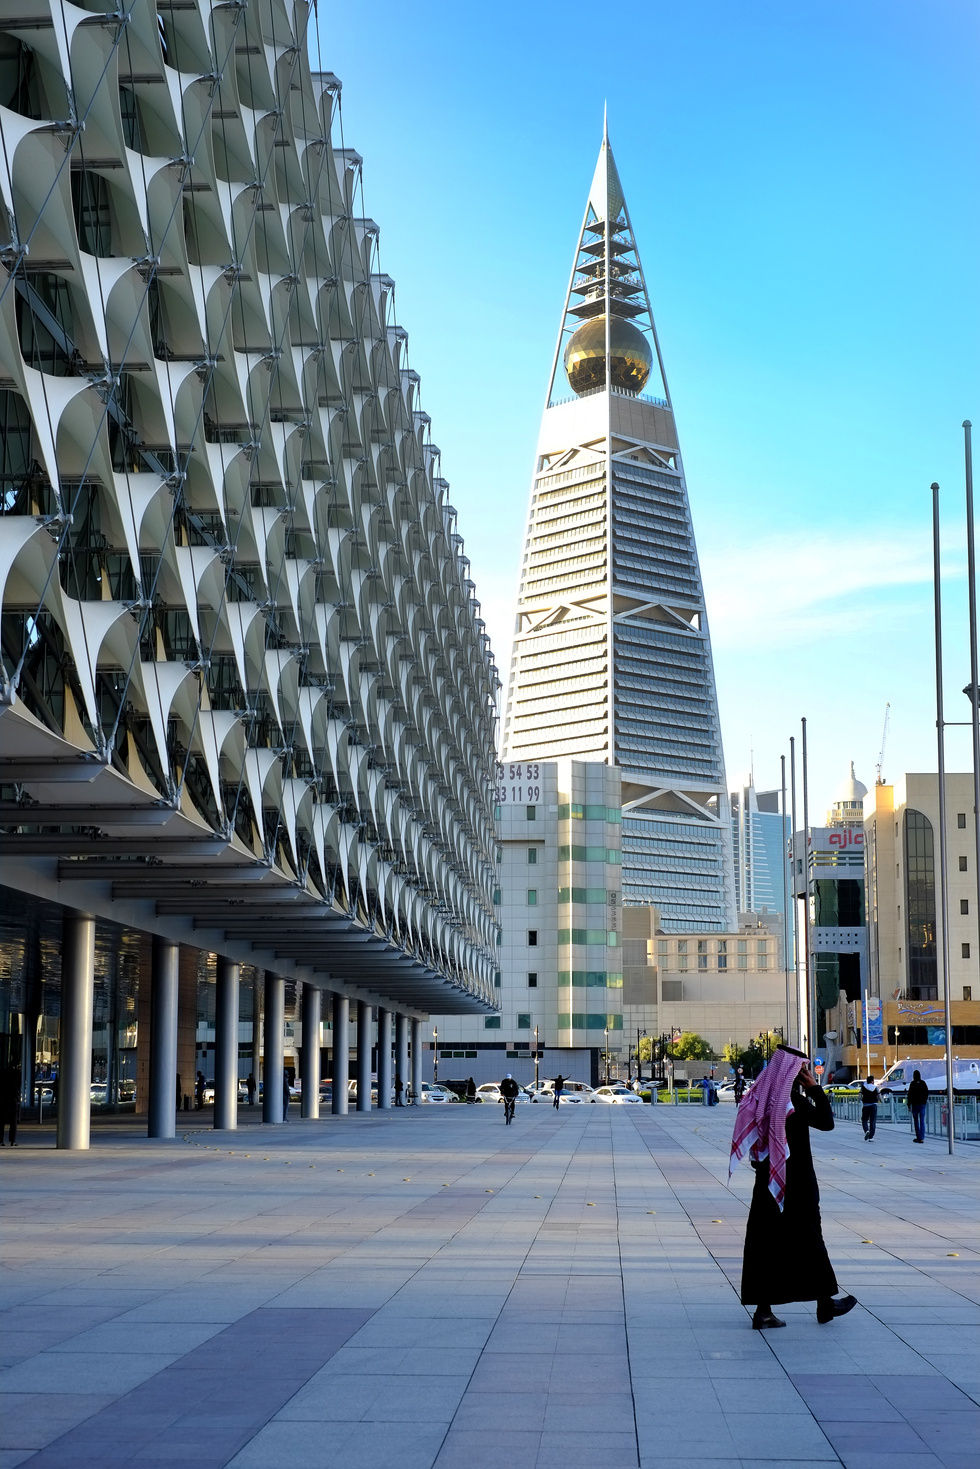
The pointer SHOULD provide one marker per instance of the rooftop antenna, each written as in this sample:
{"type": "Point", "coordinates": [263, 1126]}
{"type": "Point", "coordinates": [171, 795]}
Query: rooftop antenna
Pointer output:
{"type": "Point", "coordinates": [881, 754]}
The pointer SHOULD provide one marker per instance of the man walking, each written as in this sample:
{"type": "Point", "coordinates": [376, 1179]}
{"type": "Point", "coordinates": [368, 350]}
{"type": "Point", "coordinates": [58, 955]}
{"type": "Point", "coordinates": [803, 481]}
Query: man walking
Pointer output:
{"type": "Point", "coordinates": [199, 1086]}
{"type": "Point", "coordinates": [399, 1088]}
{"type": "Point", "coordinates": [739, 1086]}
{"type": "Point", "coordinates": [559, 1088]}
{"type": "Point", "coordinates": [869, 1107]}
{"type": "Point", "coordinates": [250, 1088]}
{"type": "Point", "coordinates": [918, 1097]}
{"type": "Point", "coordinates": [9, 1103]}
{"type": "Point", "coordinates": [285, 1096]}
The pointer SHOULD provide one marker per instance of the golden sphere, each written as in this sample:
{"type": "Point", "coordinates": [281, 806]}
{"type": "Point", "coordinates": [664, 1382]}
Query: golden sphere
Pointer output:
{"type": "Point", "coordinates": [630, 358]}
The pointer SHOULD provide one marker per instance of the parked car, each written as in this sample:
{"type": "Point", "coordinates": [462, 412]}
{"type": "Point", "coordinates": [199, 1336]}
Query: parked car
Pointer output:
{"type": "Point", "coordinates": [433, 1092]}
{"type": "Point", "coordinates": [490, 1092]}
{"type": "Point", "coordinates": [617, 1096]}
{"type": "Point", "coordinates": [574, 1093]}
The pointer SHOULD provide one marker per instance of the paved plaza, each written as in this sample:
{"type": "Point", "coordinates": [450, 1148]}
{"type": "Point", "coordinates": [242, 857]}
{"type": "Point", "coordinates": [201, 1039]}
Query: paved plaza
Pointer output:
{"type": "Point", "coordinates": [431, 1288]}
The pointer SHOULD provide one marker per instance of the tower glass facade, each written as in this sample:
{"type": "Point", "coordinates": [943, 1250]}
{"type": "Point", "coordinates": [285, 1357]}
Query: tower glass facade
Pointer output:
{"type": "Point", "coordinates": [612, 656]}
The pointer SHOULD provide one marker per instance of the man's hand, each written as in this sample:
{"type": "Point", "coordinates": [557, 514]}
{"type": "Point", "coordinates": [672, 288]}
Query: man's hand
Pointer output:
{"type": "Point", "coordinates": [807, 1077]}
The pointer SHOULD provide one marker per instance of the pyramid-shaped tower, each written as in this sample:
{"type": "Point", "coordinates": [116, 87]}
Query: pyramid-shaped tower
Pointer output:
{"type": "Point", "coordinates": [612, 658]}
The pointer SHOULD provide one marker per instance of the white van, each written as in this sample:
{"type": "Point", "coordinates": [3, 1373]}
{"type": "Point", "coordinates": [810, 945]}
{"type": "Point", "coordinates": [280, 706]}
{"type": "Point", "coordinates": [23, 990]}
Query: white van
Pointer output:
{"type": "Point", "coordinates": [966, 1076]}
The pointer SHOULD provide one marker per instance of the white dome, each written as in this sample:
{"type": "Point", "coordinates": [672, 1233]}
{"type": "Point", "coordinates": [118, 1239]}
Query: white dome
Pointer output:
{"type": "Point", "coordinates": [852, 789]}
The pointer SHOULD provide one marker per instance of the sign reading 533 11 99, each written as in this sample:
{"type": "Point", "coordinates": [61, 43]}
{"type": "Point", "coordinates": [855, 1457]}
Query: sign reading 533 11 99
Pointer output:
{"type": "Point", "coordinates": [518, 783]}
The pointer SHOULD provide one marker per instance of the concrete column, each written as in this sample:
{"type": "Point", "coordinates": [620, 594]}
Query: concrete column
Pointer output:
{"type": "Point", "coordinates": [274, 1025]}
{"type": "Point", "coordinates": [384, 1059]}
{"type": "Point", "coordinates": [163, 1104]}
{"type": "Point", "coordinates": [226, 1046]}
{"type": "Point", "coordinates": [75, 1041]}
{"type": "Point", "coordinates": [417, 1059]}
{"type": "Point", "coordinates": [341, 1054]}
{"type": "Point", "coordinates": [310, 1058]}
{"type": "Point", "coordinates": [363, 1057]}
{"type": "Point", "coordinates": [401, 1055]}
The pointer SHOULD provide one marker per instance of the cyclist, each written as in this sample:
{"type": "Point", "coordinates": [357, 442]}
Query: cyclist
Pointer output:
{"type": "Point", "coordinates": [510, 1091]}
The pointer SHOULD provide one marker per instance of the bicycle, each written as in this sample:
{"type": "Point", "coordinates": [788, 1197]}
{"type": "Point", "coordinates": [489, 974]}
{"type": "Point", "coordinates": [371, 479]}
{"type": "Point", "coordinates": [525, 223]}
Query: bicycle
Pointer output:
{"type": "Point", "coordinates": [509, 1104]}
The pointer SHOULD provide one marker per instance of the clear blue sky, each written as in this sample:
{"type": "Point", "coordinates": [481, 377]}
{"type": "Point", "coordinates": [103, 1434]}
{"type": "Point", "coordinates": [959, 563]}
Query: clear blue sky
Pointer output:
{"type": "Point", "coordinates": [803, 181]}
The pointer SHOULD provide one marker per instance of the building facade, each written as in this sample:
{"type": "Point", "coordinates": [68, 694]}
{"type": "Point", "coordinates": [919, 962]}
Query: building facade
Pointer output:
{"type": "Point", "coordinates": [248, 703]}
{"type": "Point", "coordinates": [905, 921]}
{"type": "Point", "coordinates": [726, 987]}
{"type": "Point", "coordinates": [559, 981]}
{"type": "Point", "coordinates": [612, 656]}
{"type": "Point", "coordinates": [760, 850]}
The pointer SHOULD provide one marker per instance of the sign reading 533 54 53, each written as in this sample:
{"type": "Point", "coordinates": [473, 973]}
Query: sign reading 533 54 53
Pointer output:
{"type": "Point", "coordinates": [517, 783]}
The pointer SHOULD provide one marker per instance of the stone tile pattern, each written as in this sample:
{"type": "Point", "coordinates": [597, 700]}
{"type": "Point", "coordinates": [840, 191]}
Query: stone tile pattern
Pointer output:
{"type": "Point", "coordinates": [429, 1290]}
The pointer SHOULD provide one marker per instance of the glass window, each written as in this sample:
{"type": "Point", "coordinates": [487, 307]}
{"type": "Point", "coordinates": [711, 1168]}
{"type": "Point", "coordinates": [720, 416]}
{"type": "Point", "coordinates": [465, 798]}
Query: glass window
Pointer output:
{"type": "Point", "coordinates": [682, 961]}
{"type": "Point", "coordinates": [496, 895]}
{"type": "Point", "coordinates": [682, 946]}
{"type": "Point", "coordinates": [532, 897]}
{"type": "Point", "coordinates": [723, 946]}
{"type": "Point", "coordinates": [532, 812]}
{"type": "Point", "coordinates": [532, 856]}
{"type": "Point", "coordinates": [523, 1022]}
{"type": "Point", "coordinates": [702, 946]}
{"type": "Point", "coordinates": [662, 947]}
{"type": "Point", "coordinates": [965, 951]}
{"type": "Point", "coordinates": [491, 1022]}
{"type": "Point", "coordinates": [763, 946]}
{"type": "Point", "coordinates": [962, 864]}
{"type": "Point", "coordinates": [743, 961]}
{"type": "Point", "coordinates": [702, 961]}
{"type": "Point", "coordinates": [960, 820]}
{"type": "Point", "coordinates": [964, 905]}
{"type": "Point", "coordinates": [968, 992]}
{"type": "Point", "coordinates": [532, 938]}
{"type": "Point", "coordinates": [722, 961]}
{"type": "Point", "coordinates": [532, 981]}
{"type": "Point", "coordinates": [743, 946]}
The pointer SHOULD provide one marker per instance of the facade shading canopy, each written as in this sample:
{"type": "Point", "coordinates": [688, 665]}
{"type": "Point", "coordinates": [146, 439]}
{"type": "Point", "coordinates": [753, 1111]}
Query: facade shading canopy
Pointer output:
{"type": "Point", "coordinates": [246, 690]}
{"type": "Point", "coordinates": [612, 658]}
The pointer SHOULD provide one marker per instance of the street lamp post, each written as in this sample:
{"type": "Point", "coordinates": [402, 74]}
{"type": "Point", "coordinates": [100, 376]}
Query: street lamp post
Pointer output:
{"type": "Point", "coordinates": [536, 1058]}
{"type": "Point", "coordinates": [639, 1063]}
{"type": "Point", "coordinates": [435, 1054]}
{"type": "Point", "coordinates": [605, 1036]}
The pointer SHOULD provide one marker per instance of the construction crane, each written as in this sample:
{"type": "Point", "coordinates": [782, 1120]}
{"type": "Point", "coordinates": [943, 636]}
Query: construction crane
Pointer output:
{"type": "Point", "coordinates": [881, 753]}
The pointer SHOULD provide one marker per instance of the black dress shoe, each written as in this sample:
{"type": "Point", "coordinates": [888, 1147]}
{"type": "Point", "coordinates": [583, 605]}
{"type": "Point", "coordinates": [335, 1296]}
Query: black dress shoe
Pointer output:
{"type": "Point", "coordinates": [827, 1310]}
{"type": "Point", "coordinates": [763, 1323]}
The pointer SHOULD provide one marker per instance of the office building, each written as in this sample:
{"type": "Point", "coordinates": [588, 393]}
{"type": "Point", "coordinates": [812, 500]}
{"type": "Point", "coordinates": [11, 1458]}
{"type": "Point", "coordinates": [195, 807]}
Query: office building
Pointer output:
{"type": "Point", "coordinates": [760, 850]}
{"type": "Point", "coordinates": [612, 656]}
{"type": "Point", "coordinates": [559, 982]}
{"type": "Point", "coordinates": [905, 921]}
{"type": "Point", "coordinates": [247, 706]}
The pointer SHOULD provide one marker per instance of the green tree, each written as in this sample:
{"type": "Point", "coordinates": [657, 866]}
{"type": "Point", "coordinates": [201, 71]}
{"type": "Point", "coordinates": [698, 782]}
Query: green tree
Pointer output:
{"type": "Point", "coordinates": [645, 1051]}
{"type": "Point", "coordinates": [691, 1047]}
{"type": "Point", "coordinates": [754, 1057]}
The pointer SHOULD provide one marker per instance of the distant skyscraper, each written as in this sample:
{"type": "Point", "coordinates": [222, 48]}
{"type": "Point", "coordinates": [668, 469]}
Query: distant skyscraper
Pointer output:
{"type": "Point", "coordinates": [612, 659]}
{"type": "Point", "coordinates": [759, 849]}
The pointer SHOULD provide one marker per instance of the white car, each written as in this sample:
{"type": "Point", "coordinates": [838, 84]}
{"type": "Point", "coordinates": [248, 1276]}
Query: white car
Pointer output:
{"type": "Point", "coordinates": [490, 1092]}
{"type": "Point", "coordinates": [433, 1092]}
{"type": "Point", "coordinates": [574, 1093]}
{"type": "Point", "coordinates": [617, 1096]}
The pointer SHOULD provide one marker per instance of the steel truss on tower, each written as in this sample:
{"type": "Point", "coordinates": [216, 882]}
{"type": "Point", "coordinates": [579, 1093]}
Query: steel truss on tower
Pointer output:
{"type": "Point", "coordinates": [246, 686]}
{"type": "Point", "coordinates": [612, 656]}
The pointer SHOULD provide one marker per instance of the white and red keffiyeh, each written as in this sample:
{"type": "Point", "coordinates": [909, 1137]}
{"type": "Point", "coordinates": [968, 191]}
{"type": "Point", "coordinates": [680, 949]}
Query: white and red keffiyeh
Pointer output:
{"type": "Point", "coordinates": [760, 1126]}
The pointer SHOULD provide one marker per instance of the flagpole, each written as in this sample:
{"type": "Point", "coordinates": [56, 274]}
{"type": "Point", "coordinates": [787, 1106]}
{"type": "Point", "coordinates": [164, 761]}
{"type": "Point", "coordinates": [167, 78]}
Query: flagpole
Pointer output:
{"type": "Point", "coordinates": [811, 998]}
{"type": "Point", "coordinates": [971, 562]}
{"type": "Point", "coordinates": [796, 904]}
{"type": "Point", "coordinates": [789, 1011]}
{"type": "Point", "coordinates": [941, 751]}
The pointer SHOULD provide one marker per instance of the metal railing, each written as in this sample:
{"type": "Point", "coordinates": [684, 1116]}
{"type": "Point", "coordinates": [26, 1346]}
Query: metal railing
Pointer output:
{"type": "Point", "coordinates": [966, 1114]}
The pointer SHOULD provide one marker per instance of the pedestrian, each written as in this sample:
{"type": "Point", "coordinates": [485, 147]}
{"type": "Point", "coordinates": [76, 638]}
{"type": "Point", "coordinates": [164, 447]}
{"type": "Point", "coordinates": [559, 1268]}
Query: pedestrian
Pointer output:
{"type": "Point", "coordinates": [180, 1093]}
{"type": "Point", "coordinates": [250, 1089]}
{"type": "Point", "coordinates": [785, 1257]}
{"type": "Point", "coordinates": [399, 1088]}
{"type": "Point", "coordinates": [199, 1091]}
{"type": "Point", "coordinates": [559, 1087]}
{"type": "Point", "coordinates": [471, 1091]}
{"type": "Point", "coordinates": [739, 1086]}
{"type": "Point", "coordinates": [9, 1103]}
{"type": "Point", "coordinates": [285, 1096]}
{"type": "Point", "coordinates": [869, 1107]}
{"type": "Point", "coordinates": [918, 1096]}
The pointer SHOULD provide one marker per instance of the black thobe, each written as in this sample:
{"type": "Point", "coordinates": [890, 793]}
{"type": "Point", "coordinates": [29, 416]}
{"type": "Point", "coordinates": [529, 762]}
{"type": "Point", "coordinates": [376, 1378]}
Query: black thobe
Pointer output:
{"type": "Point", "coordinates": [785, 1257]}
